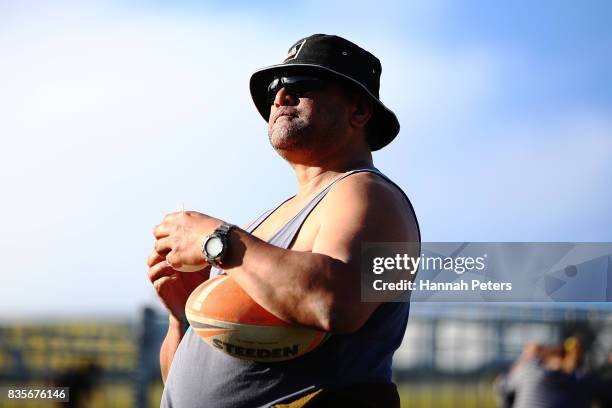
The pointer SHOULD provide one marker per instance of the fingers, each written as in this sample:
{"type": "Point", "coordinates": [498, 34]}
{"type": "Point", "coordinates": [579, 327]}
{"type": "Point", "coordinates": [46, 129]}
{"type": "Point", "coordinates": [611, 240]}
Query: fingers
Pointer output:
{"type": "Point", "coordinates": [172, 296]}
{"type": "Point", "coordinates": [171, 216]}
{"type": "Point", "coordinates": [159, 283]}
{"type": "Point", "coordinates": [169, 222]}
{"type": "Point", "coordinates": [163, 246]}
{"type": "Point", "coordinates": [155, 258]}
{"type": "Point", "coordinates": [160, 270]}
{"type": "Point", "coordinates": [173, 260]}
{"type": "Point", "coordinates": [164, 243]}
{"type": "Point", "coordinates": [163, 251]}
{"type": "Point", "coordinates": [160, 231]}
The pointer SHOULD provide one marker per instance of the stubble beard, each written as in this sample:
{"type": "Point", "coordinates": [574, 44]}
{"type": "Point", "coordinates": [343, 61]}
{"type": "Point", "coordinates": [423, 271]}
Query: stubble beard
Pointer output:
{"type": "Point", "coordinates": [298, 134]}
{"type": "Point", "coordinates": [291, 135]}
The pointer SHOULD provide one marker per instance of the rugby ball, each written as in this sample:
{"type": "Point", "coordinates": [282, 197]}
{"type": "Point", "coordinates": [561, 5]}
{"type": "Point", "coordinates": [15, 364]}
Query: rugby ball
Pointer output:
{"type": "Point", "coordinates": [226, 318]}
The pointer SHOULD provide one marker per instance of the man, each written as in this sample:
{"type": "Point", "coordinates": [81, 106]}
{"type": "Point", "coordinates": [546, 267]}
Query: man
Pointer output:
{"type": "Point", "coordinates": [300, 261]}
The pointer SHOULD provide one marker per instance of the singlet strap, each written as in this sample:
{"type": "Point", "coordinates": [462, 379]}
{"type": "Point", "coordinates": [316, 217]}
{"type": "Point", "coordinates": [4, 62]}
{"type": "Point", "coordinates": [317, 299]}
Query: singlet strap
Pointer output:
{"type": "Point", "coordinates": [285, 236]}
{"type": "Point", "coordinates": [254, 224]}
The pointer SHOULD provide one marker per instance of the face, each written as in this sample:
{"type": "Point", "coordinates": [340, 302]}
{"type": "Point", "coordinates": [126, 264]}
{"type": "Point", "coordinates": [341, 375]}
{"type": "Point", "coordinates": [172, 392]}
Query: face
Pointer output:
{"type": "Point", "coordinates": [309, 122]}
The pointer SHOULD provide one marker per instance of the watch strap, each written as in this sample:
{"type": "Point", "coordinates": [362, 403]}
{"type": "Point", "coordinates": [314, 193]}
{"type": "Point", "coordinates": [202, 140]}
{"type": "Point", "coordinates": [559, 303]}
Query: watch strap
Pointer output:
{"type": "Point", "coordinates": [224, 228]}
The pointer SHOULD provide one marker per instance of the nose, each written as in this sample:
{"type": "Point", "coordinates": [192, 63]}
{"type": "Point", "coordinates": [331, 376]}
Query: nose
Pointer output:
{"type": "Point", "coordinates": [284, 98]}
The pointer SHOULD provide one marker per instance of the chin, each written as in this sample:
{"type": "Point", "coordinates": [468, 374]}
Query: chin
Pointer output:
{"type": "Point", "coordinates": [293, 138]}
{"type": "Point", "coordinates": [283, 139]}
{"type": "Point", "coordinates": [283, 145]}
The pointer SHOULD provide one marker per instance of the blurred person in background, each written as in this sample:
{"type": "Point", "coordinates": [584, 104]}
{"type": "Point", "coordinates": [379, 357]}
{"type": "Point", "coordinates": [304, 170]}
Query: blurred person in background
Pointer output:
{"type": "Point", "coordinates": [547, 376]}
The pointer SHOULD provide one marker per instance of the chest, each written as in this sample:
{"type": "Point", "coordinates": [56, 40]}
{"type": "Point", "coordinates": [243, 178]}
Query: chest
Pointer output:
{"type": "Point", "coordinates": [305, 235]}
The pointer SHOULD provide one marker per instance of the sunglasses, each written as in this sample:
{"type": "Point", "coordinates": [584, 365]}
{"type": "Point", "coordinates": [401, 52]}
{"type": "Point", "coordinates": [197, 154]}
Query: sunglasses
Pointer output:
{"type": "Point", "coordinates": [296, 85]}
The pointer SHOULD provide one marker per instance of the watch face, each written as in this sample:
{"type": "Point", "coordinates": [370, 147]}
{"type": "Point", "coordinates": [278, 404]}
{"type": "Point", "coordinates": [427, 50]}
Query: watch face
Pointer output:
{"type": "Point", "coordinates": [213, 246]}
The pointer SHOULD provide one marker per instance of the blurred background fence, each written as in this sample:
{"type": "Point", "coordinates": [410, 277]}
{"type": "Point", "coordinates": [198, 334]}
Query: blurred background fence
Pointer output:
{"type": "Point", "coordinates": [450, 356]}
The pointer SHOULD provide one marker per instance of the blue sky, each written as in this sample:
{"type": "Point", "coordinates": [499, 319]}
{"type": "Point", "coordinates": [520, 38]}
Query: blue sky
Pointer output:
{"type": "Point", "coordinates": [111, 114]}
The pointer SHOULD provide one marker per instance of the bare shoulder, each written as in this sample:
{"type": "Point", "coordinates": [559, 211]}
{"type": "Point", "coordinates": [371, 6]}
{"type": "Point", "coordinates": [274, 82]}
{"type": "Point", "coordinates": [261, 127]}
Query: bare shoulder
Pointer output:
{"type": "Point", "coordinates": [368, 185]}
{"type": "Point", "coordinates": [367, 201]}
{"type": "Point", "coordinates": [367, 192]}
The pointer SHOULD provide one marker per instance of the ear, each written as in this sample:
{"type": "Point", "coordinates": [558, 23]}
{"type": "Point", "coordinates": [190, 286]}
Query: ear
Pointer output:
{"type": "Point", "coordinates": [362, 110]}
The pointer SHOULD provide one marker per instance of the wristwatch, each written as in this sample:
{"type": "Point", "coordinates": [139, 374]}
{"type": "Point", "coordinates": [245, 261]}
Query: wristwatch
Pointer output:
{"type": "Point", "coordinates": [214, 246]}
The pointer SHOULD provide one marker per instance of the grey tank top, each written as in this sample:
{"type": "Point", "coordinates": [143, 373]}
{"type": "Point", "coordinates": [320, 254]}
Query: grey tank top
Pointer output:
{"type": "Point", "coordinates": [203, 377]}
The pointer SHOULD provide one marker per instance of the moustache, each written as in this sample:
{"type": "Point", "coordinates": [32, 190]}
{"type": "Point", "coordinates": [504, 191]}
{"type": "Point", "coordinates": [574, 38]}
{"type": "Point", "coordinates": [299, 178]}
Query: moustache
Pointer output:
{"type": "Point", "coordinates": [283, 111]}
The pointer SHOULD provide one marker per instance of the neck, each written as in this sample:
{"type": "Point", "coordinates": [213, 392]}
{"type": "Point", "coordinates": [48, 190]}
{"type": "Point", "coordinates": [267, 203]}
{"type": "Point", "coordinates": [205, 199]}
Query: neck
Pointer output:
{"type": "Point", "coordinates": [313, 176]}
{"type": "Point", "coordinates": [315, 166]}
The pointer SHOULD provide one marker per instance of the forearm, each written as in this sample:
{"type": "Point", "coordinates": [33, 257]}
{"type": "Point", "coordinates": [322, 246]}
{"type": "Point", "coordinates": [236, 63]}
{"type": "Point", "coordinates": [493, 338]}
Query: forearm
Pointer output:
{"type": "Point", "coordinates": [300, 287]}
{"type": "Point", "coordinates": [176, 330]}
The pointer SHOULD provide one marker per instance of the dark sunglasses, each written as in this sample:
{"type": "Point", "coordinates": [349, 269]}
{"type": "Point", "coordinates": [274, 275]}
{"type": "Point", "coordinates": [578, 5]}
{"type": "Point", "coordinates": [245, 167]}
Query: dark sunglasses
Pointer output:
{"type": "Point", "coordinates": [296, 85]}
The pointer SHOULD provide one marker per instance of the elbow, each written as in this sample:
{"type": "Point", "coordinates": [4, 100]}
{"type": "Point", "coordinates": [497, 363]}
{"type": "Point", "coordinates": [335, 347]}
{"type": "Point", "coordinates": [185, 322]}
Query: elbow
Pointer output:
{"type": "Point", "coordinates": [337, 306]}
{"type": "Point", "coordinates": [343, 319]}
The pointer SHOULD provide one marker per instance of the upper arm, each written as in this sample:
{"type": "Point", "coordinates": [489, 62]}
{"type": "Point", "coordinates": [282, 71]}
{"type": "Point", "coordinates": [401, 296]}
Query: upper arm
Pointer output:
{"type": "Point", "coordinates": [361, 208]}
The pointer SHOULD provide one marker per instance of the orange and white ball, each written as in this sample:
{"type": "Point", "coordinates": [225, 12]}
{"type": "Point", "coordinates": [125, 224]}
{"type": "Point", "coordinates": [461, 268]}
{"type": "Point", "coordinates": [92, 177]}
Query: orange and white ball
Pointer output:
{"type": "Point", "coordinates": [226, 317]}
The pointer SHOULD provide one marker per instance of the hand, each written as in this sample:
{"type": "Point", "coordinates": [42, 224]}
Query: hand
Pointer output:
{"type": "Point", "coordinates": [173, 287]}
{"type": "Point", "coordinates": [179, 238]}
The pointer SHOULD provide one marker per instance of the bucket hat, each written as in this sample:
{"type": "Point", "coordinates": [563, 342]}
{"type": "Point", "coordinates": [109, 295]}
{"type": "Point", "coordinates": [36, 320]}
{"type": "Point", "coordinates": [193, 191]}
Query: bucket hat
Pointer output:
{"type": "Point", "coordinates": [342, 60]}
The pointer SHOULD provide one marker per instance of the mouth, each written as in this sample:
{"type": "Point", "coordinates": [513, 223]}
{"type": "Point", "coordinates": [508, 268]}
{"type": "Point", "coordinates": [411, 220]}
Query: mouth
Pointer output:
{"type": "Point", "coordinates": [283, 113]}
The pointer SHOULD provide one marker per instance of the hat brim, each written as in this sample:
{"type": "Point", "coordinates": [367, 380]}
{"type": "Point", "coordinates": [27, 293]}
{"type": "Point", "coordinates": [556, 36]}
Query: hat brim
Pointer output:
{"type": "Point", "coordinates": [383, 123]}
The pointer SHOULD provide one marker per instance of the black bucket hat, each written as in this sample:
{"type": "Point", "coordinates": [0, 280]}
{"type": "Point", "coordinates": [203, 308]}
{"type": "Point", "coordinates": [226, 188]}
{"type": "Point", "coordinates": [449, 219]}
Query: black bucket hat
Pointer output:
{"type": "Point", "coordinates": [343, 60]}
